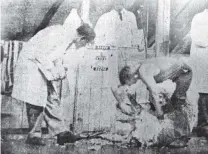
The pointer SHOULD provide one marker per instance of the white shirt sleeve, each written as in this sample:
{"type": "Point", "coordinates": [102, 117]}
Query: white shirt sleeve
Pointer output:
{"type": "Point", "coordinates": [50, 44]}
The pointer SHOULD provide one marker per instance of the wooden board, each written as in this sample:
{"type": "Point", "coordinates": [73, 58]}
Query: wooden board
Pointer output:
{"type": "Point", "coordinates": [95, 102]}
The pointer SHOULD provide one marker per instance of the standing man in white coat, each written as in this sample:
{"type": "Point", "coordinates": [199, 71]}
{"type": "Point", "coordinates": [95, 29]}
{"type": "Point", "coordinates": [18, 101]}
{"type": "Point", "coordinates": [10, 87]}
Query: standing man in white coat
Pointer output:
{"type": "Point", "coordinates": [199, 55]}
{"type": "Point", "coordinates": [37, 73]}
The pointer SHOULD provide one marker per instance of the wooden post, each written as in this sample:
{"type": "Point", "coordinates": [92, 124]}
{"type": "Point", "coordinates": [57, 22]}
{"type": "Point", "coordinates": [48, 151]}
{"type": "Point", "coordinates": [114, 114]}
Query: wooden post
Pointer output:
{"type": "Point", "coordinates": [146, 27]}
{"type": "Point", "coordinates": [162, 28]}
{"type": "Point", "coordinates": [75, 101]}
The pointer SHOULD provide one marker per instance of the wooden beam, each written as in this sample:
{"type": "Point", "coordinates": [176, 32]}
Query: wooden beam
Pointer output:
{"type": "Point", "coordinates": [184, 46]}
{"type": "Point", "coordinates": [162, 28]}
{"type": "Point", "coordinates": [49, 15]}
{"type": "Point", "coordinates": [146, 27]}
{"type": "Point", "coordinates": [183, 8]}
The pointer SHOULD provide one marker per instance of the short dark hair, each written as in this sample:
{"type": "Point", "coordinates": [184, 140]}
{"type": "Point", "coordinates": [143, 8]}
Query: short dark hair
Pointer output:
{"type": "Point", "coordinates": [87, 32]}
{"type": "Point", "coordinates": [124, 75]}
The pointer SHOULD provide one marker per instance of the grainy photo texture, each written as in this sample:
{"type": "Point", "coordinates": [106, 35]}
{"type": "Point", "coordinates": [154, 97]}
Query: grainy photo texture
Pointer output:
{"type": "Point", "coordinates": [104, 76]}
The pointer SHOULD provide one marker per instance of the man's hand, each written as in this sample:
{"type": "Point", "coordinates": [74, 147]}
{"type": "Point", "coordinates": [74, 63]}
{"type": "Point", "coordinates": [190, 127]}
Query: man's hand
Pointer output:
{"type": "Point", "coordinates": [126, 109]}
{"type": "Point", "coordinates": [122, 101]}
{"type": "Point", "coordinates": [158, 99]}
{"type": "Point", "coordinates": [58, 72]}
{"type": "Point", "coordinates": [156, 91]}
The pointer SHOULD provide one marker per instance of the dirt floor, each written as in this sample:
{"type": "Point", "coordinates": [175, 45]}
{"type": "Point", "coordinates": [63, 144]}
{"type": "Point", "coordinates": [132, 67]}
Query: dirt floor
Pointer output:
{"type": "Point", "coordinates": [15, 144]}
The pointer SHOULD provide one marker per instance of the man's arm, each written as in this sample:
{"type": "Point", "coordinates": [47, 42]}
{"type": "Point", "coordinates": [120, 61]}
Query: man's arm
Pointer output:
{"type": "Point", "coordinates": [49, 45]}
{"type": "Point", "coordinates": [49, 69]}
{"type": "Point", "coordinates": [121, 104]}
{"type": "Point", "coordinates": [186, 65]}
{"type": "Point", "coordinates": [147, 73]}
{"type": "Point", "coordinates": [151, 78]}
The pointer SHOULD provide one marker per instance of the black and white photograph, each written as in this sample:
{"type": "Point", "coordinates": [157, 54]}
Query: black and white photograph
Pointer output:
{"type": "Point", "coordinates": [104, 76]}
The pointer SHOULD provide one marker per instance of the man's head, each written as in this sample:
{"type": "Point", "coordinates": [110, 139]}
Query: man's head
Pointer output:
{"type": "Point", "coordinates": [127, 77]}
{"type": "Point", "coordinates": [85, 35]}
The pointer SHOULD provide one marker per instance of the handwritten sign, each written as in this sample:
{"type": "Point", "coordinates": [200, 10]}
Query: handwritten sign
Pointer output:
{"type": "Point", "coordinates": [100, 63]}
{"type": "Point", "coordinates": [101, 57]}
{"type": "Point", "coordinates": [102, 47]}
{"type": "Point", "coordinates": [99, 68]}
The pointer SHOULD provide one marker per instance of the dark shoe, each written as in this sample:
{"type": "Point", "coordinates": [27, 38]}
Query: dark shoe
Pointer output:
{"type": "Point", "coordinates": [66, 137]}
{"type": "Point", "coordinates": [35, 141]}
{"type": "Point", "coordinates": [202, 131]}
{"type": "Point", "coordinates": [135, 142]}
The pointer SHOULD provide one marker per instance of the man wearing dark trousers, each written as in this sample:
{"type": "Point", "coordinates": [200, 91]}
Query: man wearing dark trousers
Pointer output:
{"type": "Point", "coordinates": [157, 70]}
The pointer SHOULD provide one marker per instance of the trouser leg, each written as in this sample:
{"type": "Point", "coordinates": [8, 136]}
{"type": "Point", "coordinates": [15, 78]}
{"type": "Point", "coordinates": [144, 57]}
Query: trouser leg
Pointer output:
{"type": "Point", "coordinates": [178, 100]}
{"type": "Point", "coordinates": [203, 115]}
{"type": "Point", "coordinates": [181, 74]}
{"type": "Point", "coordinates": [181, 129]}
{"type": "Point", "coordinates": [183, 82]}
{"type": "Point", "coordinates": [34, 115]}
{"type": "Point", "coordinates": [203, 109]}
{"type": "Point", "coordinates": [53, 113]}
